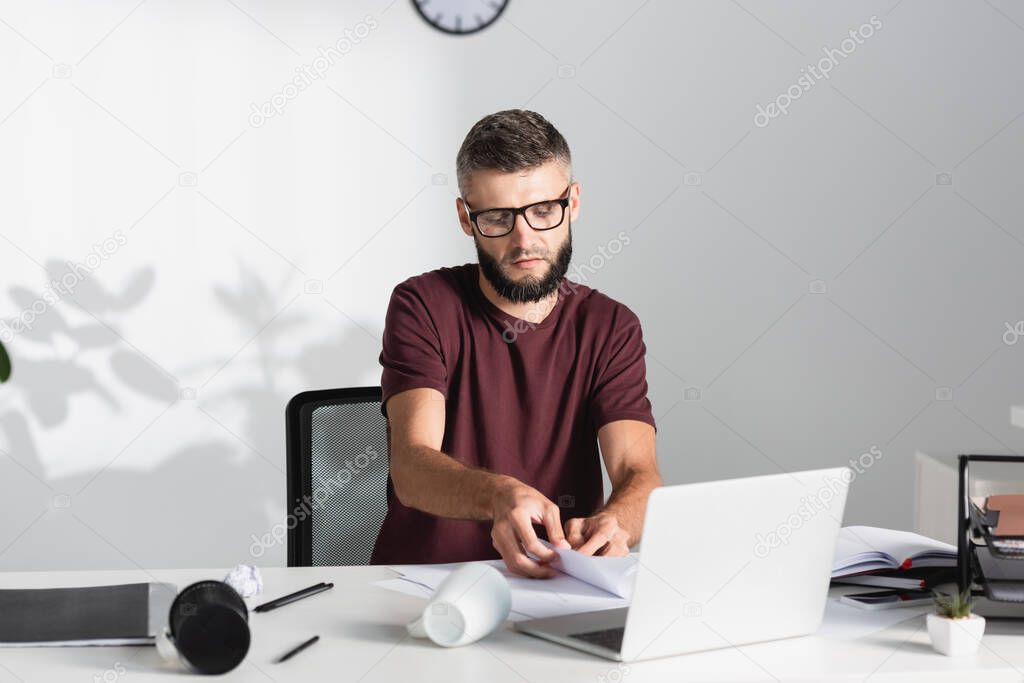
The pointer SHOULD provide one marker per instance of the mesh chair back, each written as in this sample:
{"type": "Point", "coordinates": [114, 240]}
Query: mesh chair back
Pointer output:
{"type": "Point", "coordinates": [337, 476]}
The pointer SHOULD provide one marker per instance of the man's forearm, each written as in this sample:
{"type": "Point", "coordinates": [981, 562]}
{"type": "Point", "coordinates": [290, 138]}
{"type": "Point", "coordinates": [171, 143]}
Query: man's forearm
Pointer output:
{"type": "Point", "coordinates": [429, 480]}
{"type": "Point", "coordinates": [628, 501]}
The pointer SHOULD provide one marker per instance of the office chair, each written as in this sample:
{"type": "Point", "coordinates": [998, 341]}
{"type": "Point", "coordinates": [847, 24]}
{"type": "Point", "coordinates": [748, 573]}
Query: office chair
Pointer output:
{"type": "Point", "coordinates": [337, 473]}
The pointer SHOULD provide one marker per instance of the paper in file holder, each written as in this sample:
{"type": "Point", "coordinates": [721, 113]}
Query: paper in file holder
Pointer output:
{"type": "Point", "coordinates": [990, 539]}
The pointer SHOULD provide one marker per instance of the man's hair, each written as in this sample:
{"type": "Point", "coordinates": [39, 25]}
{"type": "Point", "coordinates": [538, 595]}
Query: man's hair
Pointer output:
{"type": "Point", "coordinates": [509, 141]}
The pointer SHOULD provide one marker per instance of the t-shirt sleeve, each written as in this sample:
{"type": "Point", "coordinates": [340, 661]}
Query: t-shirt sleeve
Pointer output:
{"type": "Point", "coordinates": [620, 389]}
{"type": "Point", "coordinates": [412, 356]}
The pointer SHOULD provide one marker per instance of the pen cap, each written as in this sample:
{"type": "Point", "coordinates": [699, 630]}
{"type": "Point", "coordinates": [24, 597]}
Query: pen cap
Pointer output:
{"type": "Point", "coordinates": [209, 625]}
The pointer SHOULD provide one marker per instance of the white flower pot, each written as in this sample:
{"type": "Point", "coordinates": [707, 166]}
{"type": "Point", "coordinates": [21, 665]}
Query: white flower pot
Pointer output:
{"type": "Point", "coordinates": [956, 637]}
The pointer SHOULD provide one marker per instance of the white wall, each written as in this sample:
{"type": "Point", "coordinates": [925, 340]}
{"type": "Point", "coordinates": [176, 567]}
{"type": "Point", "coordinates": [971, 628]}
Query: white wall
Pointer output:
{"type": "Point", "coordinates": [816, 279]}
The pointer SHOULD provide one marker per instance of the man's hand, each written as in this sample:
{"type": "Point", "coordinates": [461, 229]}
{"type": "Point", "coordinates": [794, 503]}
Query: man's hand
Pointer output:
{"type": "Point", "coordinates": [597, 535]}
{"type": "Point", "coordinates": [517, 507]}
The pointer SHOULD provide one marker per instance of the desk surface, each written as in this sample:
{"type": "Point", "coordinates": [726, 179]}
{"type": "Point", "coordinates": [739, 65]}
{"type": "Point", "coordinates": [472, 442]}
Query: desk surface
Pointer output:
{"type": "Point", "coordinates": [363, 638]}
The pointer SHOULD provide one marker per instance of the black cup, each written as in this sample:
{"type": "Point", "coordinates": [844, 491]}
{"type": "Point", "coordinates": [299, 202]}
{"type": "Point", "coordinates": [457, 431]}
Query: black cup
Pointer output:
{"type": "Point", "coordinates": [209, 625]}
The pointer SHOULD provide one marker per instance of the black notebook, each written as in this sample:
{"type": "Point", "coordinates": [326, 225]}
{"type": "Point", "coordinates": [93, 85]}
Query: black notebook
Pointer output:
{"type": "Point", "coordinates": [920, 578]}
{"type": "Point", "coordinates": [90, 615]}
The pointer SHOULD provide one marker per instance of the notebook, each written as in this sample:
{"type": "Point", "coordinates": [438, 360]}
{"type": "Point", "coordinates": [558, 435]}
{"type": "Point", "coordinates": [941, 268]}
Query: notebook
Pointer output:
{"type": "Point", "coordinates": [125, 614]}
{"type": "Point", "coordinates": [867, 548]}
{"type": "Point", "coordinates": [915, 578]}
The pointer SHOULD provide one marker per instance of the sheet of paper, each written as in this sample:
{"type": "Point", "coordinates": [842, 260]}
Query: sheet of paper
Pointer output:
{"type": "Point", "coordinates": [612, 574]}
{"type": "Point", "coordinates": [531, 598]}
{"type": "Point", "coordinates": [402, 585]}
{"type": "Point", "coordinates": [845, 622]}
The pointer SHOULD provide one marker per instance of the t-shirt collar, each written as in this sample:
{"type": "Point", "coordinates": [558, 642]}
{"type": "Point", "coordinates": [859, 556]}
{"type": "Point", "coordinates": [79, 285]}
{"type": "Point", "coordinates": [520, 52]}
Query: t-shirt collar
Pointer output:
{"type": "Point", "coordinates": [502, 316]}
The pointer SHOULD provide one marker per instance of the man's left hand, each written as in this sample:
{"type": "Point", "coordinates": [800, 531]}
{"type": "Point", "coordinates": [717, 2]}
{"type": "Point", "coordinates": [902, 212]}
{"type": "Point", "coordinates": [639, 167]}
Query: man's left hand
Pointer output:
{"type": "Point", "coordinates": [597, 535]}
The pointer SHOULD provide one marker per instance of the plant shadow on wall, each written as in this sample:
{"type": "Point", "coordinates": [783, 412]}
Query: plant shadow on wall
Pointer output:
{"type": "Point", "coordinates": [288, 354]}
{"type": "Point", "coordinates": [289, 351]}
{"type": "Point", "coordinates": [219, 478]}
{"type": "Point", "coordinates": [67, 348]}
{"type": "Point", "coordinates": [51, 370]}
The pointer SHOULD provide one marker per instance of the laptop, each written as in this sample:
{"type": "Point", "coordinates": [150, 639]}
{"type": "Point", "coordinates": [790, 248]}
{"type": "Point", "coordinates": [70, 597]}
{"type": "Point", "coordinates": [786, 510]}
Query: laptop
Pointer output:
{"type": "Point", "coordinates": [721, 563]}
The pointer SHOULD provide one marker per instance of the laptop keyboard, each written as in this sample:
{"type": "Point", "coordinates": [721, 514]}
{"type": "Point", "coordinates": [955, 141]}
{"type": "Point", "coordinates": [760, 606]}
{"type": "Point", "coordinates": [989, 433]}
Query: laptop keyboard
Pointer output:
{"type": "Point", "coordinates": [610, 638]}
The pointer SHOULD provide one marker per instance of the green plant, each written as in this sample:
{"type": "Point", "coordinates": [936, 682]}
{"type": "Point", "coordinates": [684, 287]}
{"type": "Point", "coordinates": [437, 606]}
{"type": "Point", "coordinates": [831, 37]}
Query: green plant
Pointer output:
{"type": "Point", "coordinates": [5, 365]}
{"type": "Point", "coordinates": [955, 606]}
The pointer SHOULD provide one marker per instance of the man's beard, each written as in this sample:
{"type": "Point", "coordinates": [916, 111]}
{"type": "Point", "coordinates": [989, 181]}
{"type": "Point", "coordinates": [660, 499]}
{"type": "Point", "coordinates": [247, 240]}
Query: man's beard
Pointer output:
{"type": "Point", "coordinates": [530, 289]}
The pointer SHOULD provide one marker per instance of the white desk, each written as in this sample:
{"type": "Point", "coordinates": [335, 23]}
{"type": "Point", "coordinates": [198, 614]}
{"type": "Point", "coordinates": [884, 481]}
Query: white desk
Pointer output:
{"type": "Point", "coordinates": [363, 638]}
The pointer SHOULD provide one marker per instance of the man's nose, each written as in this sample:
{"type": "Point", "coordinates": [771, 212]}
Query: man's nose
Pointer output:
{"type": "Point", "coordinates": [522, 233]}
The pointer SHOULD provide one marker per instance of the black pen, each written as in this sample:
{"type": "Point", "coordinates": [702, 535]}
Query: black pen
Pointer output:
{"type": "Point", "coordinates": [292, 597]}
{"type": "Point", "coordinates": [291, 653]}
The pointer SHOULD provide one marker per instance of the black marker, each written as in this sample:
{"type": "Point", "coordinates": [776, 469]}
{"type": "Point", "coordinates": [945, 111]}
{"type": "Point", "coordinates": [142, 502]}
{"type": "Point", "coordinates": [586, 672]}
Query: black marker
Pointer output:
{"type": "Point", "coordinates": [292, 597]}
{"type": "Point", "coordinates": [291, 653]}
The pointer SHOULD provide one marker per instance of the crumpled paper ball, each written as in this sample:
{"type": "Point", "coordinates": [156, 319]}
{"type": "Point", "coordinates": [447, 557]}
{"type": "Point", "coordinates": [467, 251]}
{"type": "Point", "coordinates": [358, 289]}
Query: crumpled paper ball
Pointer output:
{"type": "Point", "coordinates": [245, 579]}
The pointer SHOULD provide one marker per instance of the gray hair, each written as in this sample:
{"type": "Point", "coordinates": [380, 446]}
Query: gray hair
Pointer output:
{"type": "Point", "coordinates": [509, 141]}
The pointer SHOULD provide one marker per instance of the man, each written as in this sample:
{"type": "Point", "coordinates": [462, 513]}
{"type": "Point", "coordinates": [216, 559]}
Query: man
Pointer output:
{"type": "Point", "coordinates": [501, 379]}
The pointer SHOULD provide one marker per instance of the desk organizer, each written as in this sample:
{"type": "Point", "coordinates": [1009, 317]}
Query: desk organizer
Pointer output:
{"type": "Point", "coordinates": [991, 566]}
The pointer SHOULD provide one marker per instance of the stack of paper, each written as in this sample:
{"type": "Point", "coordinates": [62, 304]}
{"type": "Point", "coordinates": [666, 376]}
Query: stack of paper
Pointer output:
{"type": "Point", "coordinates": [584, 584]}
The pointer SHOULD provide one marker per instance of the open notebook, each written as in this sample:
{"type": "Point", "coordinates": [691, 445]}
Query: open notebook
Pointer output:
{"type": "Point", "coordinates": [867, 548]}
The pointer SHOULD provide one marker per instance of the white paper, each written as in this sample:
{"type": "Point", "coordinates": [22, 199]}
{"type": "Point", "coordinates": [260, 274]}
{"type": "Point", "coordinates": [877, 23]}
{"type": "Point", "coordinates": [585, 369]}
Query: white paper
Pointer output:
{"type": "Point", "coordinates": [531, 598]}
{"type": "Point", "coordinates": [245, 579]}
{"type": "Point", "coordinates": [612, 574]}
{"type": "Point", "coordinates": [402, 585]}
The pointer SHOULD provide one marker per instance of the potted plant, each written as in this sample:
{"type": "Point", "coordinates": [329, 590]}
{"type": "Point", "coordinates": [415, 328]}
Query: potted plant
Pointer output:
{"type": "Point", "coordinates": [5, 364]}
{"type": "Point", "coordinates": [953, 629]}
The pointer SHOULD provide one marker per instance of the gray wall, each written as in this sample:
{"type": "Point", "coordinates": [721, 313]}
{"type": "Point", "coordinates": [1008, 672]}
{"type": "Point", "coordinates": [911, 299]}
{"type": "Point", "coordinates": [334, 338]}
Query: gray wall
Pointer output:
{"type": "Point", "coordinates": [812, 285]}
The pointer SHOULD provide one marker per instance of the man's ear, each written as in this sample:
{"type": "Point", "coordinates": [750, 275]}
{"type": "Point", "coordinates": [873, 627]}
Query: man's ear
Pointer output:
{"type": "Point", "coordinates": [460, 209]}
{"type": "Point", "coordinates": [574, 200]}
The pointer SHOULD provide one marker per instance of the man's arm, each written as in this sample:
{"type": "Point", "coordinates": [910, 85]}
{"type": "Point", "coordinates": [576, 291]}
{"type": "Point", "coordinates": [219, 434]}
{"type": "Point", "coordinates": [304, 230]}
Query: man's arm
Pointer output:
{"type": "Point", "coordinates": [628, 447]}
{"type": "Point", "coordinates": [429, 480]}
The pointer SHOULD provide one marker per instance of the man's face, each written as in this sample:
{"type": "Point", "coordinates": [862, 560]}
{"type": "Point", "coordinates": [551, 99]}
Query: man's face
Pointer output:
{"type": "Point", "coordinates": [525, 265]}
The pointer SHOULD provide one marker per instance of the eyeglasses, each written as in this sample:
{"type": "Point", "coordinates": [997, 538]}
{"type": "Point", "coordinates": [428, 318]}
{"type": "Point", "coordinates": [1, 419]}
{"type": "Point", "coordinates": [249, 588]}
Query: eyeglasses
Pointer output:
{"type": "Point", "coordinates": [544, 215]}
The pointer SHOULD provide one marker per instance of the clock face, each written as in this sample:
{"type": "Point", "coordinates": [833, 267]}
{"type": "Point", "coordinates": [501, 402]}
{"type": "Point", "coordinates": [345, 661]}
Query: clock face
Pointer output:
{"type": "Point", "coordinates": [460, 17]}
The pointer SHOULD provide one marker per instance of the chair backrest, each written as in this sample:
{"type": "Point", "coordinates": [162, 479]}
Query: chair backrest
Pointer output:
{"type": "Point", "coordinates": [337, 453]}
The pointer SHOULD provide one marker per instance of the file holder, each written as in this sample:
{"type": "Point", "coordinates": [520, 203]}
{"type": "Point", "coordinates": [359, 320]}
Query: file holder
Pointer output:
{"type": "Point", "coordinates": [1002, 597]}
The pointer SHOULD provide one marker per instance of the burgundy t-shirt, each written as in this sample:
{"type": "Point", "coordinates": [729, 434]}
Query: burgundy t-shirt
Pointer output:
{"type": "Point", "coordinates": [522, 399]}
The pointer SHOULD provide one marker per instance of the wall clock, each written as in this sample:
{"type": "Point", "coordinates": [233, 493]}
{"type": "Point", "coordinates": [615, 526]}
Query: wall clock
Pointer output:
{"type": "Point", "coordinates": [460, 17]}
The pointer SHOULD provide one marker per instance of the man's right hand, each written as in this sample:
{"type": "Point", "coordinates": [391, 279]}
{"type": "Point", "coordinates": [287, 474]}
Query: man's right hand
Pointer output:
{"type": "Point", "coordinates": [517, 507]}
